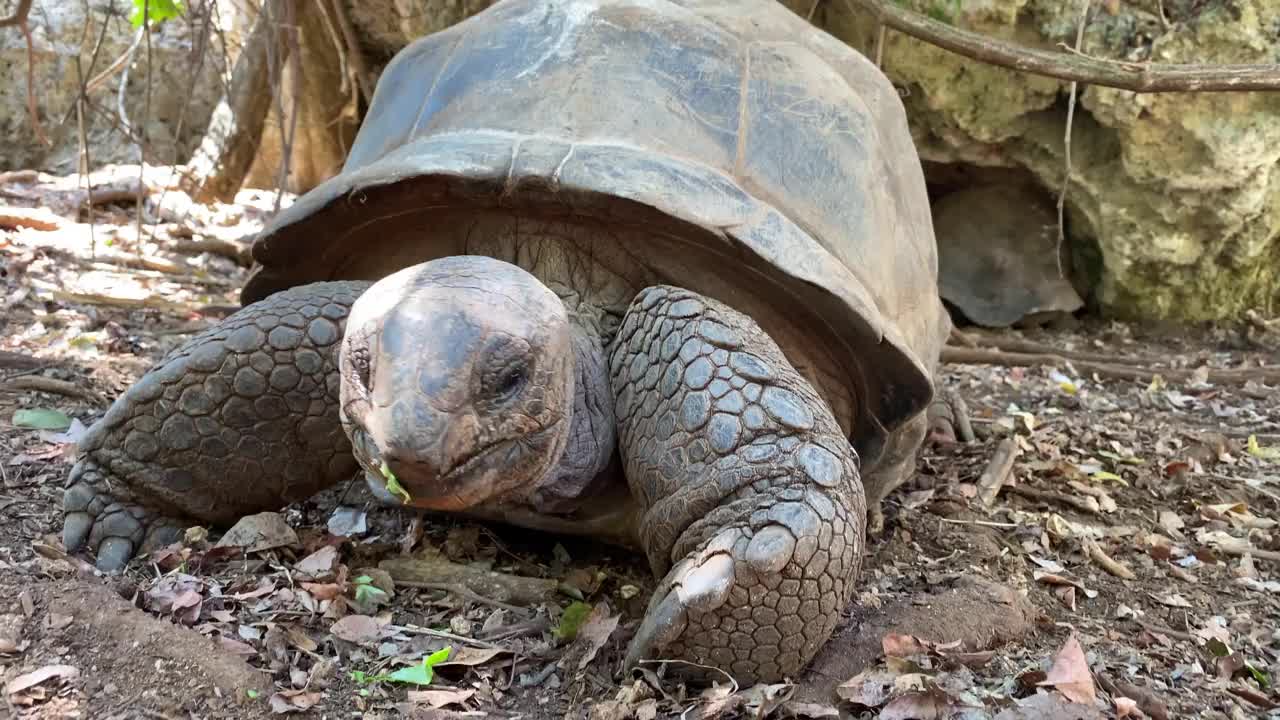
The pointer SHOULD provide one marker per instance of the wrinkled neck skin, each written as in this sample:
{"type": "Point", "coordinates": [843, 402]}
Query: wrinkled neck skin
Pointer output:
{"type": "Point", "coordinates": [592, 433]}
{"type": "Point", "coordinates": [467, 381]}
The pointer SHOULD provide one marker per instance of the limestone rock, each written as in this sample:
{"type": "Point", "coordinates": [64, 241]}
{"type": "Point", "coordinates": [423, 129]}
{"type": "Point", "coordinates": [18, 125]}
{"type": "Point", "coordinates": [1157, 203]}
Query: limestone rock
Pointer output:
{"type": "Point", "coordinates": [1174, 207]}
{"type": "Point", "coordinates": [998, 255]}
{"type": "Point", "coordinates": [185, 86]}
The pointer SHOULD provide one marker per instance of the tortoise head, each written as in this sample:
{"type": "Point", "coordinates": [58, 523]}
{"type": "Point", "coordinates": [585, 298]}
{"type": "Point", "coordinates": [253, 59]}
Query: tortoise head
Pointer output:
{"type": "Point", "coordinates": [457, 382]}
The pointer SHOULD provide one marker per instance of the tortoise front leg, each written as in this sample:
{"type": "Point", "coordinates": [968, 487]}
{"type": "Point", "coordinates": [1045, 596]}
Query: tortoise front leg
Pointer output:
{"type": "Point", "coordinates": [753, 508]}
{"type": "Point", "coordinates": [240, 419]}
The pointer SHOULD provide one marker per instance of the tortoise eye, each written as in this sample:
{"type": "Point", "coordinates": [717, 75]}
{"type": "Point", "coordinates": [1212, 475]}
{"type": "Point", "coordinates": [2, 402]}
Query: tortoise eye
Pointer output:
{"type": "Point", "coordinates": [510, 382]}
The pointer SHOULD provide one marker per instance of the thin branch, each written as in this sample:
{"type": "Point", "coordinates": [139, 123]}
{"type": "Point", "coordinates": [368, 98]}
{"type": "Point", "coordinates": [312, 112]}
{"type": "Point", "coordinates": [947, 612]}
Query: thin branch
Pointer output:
{"type": "Point", "coordinates": [355, 56]}
{"type": "Point", "coordinates": [19, 15]}
{"type": "Point", "coordinates": [20, 19]}
{"type": "Point", "coordinates": [1135, 77]}
{"type": "Point", "coordinates": [882, 35]}
{"type": "Point", "coordinates": [1066, 143]}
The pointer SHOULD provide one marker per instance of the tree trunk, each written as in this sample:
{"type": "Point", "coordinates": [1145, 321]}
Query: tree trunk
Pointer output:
{"type": "Point", "coordinates": [327, 108]}
{"type": "Point", "coordinates": [218, 167]}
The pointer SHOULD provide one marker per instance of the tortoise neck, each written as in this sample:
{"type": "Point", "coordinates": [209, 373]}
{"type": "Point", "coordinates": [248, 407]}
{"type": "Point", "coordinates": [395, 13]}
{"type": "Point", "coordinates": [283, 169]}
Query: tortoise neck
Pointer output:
{"type": "Point", "coordinates": [592, 432]}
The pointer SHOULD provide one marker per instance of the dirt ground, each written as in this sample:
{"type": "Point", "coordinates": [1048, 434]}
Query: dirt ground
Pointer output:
{"type": "Point", "coordinates": [1106, 547]}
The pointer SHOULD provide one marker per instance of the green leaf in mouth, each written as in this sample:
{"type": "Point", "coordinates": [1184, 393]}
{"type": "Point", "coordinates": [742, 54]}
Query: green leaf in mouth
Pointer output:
{"type": "Point", "coordinates": [394, 485]}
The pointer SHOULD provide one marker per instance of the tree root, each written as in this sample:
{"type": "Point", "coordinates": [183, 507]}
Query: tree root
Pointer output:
{"type": "Point", "coordinates": [1135, 77]}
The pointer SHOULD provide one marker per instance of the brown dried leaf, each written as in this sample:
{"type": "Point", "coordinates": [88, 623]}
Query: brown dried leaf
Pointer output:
{"type": "Point", "coordinates": [1048, 706]}
{"type": "Point", "coordinates": [871, 688]}
{"type": "Point", "coordinates": [359, 629]}
{"type": "Point", "coordinates": [440, 698]}
{"type": "Point", "coordinates": [593, 633]}
{"type": "Point", "coordinates": [291, 701]}
{"type": "Point", "coordinates": [471, 656]}
{"type": "Point", "coordinates": [299, 638]}
{"type": "Point", "coordinates": [931, 704]}
{"type": "Point", "coordinates": [1125, 707]}
{"type": "Point", "coordinates": [322, 591]}
{"type": "Point", "coordinates": [35, 677]}
{"type": "Point", "coordinates": [896, 645]}
{"type": "Point", "coordinates": [1070, 673]}
{"type": "Point", "coordinates": [235, 647]}
{"type": "Point", "coordinates": [319, 565]}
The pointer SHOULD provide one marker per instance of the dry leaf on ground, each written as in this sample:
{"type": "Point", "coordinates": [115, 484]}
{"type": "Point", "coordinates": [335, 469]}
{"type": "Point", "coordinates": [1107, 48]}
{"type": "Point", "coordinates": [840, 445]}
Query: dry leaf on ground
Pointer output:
{"type": "Point", "coordinates": [1070, 673]}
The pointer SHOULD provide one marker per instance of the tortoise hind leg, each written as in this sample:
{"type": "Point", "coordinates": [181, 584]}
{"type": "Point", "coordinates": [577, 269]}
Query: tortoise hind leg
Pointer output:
{"type": "Point", "coordinates": [752, 506]}
{"type": "Point", "coordinates": [945, 421]}
{"type": "Point", "coordinates": [241, 418]}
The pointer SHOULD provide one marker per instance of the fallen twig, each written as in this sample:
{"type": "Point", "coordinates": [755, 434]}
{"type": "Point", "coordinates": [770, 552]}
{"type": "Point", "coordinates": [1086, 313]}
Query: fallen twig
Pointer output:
{"type": "Point", "coordinates": [997, 472]}
{"type": "Point", "coordinates": [1147, 700]}
{"type": "Point", "coordinates": [429, 566]}
{"type": "Point", "coordinates": [150, 302]}
{"type": "Point", "coordinates": [19, 176]}
{"type": "Point", "coordinates": [215, 246]}
{"type": "Point", "coordinates": [460, 591]}
{"type": "Point", "coordinates": [1243, 549]}
{"type": "Point", "coordinates": [415, 630]}
{"type": "Point", "coordinates": [1162, 630]}
{"type": "Point", "coordinates": [39, 383]}
{"type": "Point", "coordinates": [951, 354]}
{"type": "Point", "coordinates": [1135, 77]}
{"type": "Point", "coordinates": [1085, 504]}
{"type": "Point", "coordinates": [10, 360]}
{"type": "Point", "coordinates": [12, 218]}
{"type": "Point", "coordinates": [981, 523]}
{"type": "Point", "coordinates": [1106, 562]}
{"type": "Point", "coordinates": [995, 341]}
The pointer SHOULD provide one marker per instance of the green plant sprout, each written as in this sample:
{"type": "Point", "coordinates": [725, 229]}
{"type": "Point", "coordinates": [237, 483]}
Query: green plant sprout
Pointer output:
{"type": "Point", "coordinates": [394, 485]}
{"type": "Point", "coordinates": [366, 590]}
{"type": "Point", "coordinates": [155, 11]}
{"type": "Point", "coordinates": [421, 674]}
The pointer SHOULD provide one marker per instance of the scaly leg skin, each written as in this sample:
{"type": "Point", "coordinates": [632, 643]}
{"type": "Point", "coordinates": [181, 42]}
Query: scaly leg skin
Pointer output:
{"type": "Point", "coordinates": [753, 508]}
{"type": "Point", "coordinates": [240, 419]}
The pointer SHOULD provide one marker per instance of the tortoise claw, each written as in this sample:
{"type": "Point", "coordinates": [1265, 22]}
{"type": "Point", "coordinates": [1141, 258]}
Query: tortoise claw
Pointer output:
{"type": "Point", "coordinates": [701, 586]}
{"type": "Point", "coordinates": [113, 554]}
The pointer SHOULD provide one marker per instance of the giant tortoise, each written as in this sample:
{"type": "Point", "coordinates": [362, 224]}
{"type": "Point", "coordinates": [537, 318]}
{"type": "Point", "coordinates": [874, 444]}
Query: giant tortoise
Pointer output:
{"type": "Point", "coordinates": [660, 272]}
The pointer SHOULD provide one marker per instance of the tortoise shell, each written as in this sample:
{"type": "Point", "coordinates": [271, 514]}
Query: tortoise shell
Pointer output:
{"type": "Point", "coordinates": [747, 155]}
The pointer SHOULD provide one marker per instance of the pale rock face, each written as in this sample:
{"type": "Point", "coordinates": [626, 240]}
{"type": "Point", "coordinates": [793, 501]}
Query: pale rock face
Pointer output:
{"type": "Point", "coordinates": [1174, 211]}
{"type": "Point", "coordinates": [182, 86]}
